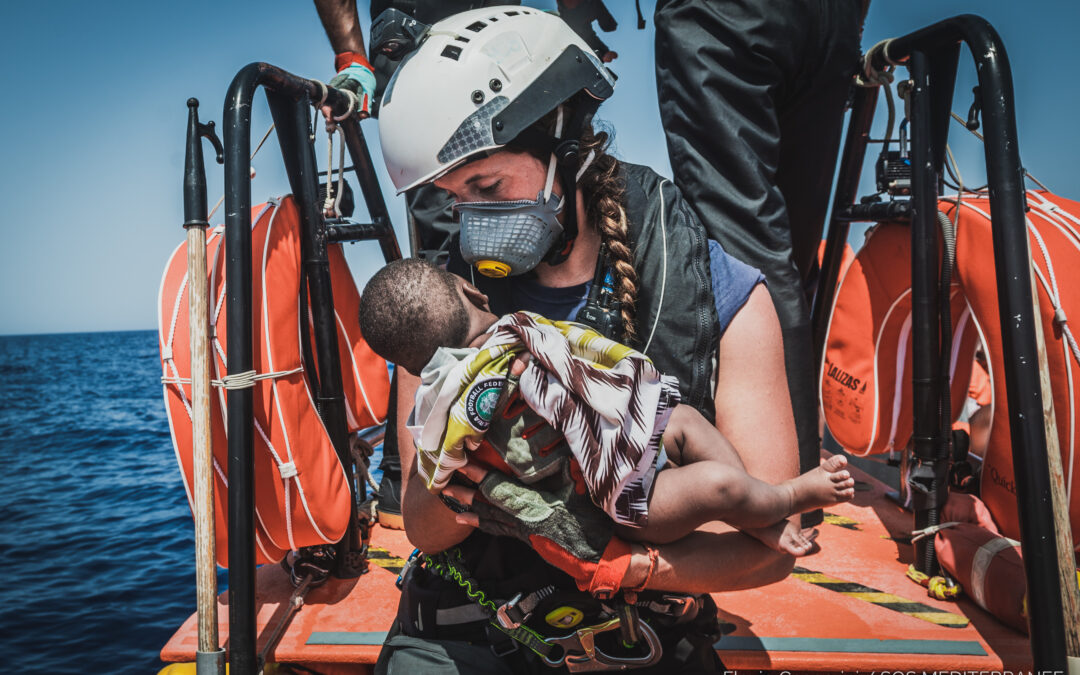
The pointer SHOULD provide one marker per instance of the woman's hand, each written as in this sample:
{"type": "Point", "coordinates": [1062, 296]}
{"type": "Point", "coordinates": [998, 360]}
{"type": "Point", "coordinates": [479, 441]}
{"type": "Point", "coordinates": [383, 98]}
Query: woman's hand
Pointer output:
{"type": "Point", "coordinates": [563, 526]}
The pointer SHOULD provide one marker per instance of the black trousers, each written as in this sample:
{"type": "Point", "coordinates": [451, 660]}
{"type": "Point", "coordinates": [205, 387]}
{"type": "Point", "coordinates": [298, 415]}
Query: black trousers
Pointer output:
{"type": "Point", "coordinates": [752, 94]}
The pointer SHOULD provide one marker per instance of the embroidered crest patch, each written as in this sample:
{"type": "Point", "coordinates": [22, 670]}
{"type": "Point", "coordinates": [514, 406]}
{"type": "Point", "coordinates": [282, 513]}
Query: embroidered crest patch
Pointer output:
{"type": "Point", "coordinates": [481, 401]}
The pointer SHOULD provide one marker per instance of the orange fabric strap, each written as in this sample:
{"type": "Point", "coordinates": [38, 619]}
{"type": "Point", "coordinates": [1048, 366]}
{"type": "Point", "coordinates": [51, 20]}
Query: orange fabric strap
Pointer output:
{"type": "Point", "coordinates": [610, 569]}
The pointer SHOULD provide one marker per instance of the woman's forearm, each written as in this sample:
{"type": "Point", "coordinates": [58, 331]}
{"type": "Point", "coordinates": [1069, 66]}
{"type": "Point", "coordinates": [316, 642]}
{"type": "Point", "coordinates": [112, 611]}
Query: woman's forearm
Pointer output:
{"type": "Point", "coordinates": [709, 561]}
{"type": "Point", "coordinates": [429, 524]}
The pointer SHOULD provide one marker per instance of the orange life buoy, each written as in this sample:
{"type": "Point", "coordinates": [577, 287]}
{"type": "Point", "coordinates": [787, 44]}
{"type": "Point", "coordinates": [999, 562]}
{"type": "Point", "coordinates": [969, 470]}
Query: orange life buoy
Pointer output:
{"type": "Point", "coordinates": [1054, 238]}
{"type": "Point", "coordinates": [301, 496]}
{"type": "Point", "coordinates": [865, 378]}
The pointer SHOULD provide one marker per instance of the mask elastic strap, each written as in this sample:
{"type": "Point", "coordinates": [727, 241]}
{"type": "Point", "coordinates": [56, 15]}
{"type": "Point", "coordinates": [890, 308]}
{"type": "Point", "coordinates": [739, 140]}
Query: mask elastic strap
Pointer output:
{"type": "Point", "coordinates": [552, 160]}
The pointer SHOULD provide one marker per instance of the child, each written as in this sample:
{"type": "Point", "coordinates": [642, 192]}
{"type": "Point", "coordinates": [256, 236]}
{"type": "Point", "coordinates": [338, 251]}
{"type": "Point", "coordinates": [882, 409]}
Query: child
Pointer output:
{"type": "Point", "coordinates": [614, 414]}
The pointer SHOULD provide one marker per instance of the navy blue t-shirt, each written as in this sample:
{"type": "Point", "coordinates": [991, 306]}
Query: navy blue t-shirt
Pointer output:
{"type": "Point", "coordinates": [732, 283]}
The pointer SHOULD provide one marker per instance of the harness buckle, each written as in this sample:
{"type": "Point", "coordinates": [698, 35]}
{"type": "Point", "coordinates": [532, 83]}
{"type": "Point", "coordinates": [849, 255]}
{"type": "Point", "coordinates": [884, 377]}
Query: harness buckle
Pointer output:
{"type": "Point", "coordinates": [680, 605]}
{"type": "Point", "coordinates": [510, 615]}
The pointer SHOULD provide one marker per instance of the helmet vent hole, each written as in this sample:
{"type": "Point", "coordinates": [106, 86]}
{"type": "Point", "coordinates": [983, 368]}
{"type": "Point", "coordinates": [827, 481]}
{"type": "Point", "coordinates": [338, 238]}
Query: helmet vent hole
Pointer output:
{"type": "Point", "coordinates": [451, 52]}
{"type": "Point", "coordinates": [476, 26]}
{"type": "Point", "coordinates": [478, 96]}
{"type": "Point", "coordinates": [511, 13]}
{"type": "Point", "coordinates": [461, 38]}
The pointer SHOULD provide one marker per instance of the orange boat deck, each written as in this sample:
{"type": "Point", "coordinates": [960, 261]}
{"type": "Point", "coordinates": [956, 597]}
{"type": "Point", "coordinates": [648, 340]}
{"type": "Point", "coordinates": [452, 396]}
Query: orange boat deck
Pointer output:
{"type": "Point", "coordinates": [848, 607]}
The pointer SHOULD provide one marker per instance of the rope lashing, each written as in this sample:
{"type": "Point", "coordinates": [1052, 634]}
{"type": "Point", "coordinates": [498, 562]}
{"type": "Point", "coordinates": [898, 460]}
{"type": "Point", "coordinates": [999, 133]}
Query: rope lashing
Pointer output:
{"type": "Point", "coordinates": [938, 587]}
{"type": "Point", "coordinates": [871, 77]}
{"type": "Point", "coordinates": [916, 535]}
{"type": "Point", "coordinates": [244, 380]}
{"type": "Point", "coordinates": [333, 201]}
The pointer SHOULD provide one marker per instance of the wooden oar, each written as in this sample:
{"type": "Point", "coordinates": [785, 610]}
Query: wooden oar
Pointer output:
{"type": "Point", "coordinates": [1070, 593]}
{"type": "Point", "coordinates": [210, 658]}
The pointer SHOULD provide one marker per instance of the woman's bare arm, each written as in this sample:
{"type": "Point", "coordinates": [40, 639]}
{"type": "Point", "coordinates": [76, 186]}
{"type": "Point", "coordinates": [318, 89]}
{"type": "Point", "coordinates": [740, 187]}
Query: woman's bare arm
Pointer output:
{"type": "Point", "coordinates": [429, 524]}
{"type": "Point", "coordinates": [753, 410]}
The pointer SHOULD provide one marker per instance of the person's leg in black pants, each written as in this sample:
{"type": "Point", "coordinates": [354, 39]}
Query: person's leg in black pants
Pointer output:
{"type": "Point", "coordinates": [751, 96]}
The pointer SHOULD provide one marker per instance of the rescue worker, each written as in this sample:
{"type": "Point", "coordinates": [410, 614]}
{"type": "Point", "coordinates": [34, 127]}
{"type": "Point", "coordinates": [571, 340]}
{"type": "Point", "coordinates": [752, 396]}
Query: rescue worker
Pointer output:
{"type": "Point", "coordinates": [752, 96]}
{"type": "Point", "coordinates": [495, 108]}
{"type": "Point", "coordinates": [431, 222]}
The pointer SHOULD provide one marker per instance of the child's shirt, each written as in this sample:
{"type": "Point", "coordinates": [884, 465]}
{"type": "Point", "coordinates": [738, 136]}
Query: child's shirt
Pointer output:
{"type": "Point", "coordinates": [608, 401]}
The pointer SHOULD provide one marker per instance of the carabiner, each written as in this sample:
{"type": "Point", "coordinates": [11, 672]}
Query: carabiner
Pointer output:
{"type": "Point", "coordinates": [581, 655]}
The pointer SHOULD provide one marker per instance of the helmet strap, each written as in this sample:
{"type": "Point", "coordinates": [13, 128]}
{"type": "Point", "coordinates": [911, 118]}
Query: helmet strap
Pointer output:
{"type": "Point", "coordinates": [566, 156]}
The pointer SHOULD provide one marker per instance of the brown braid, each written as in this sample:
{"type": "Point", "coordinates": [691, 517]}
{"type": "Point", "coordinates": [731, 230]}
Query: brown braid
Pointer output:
{"type": "Point", "coordinates": [602, 189]}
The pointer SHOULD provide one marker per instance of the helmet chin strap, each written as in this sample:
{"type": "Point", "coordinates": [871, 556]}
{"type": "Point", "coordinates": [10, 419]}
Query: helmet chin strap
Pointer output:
{"type": "Point", "coordinates": [566, 161]}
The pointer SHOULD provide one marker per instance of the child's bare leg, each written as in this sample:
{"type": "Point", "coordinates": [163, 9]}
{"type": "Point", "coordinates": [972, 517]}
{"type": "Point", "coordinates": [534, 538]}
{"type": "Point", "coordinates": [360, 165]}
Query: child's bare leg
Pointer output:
{"type": "Point", "coordinates": [786, 537]}
{"type": "Point", "coordinates": [688, 496]}
{"type": "Point", "coordinates": [690, 438]}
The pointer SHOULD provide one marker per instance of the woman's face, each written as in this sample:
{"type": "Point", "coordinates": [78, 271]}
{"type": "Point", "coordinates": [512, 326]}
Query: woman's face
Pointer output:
{"type": "Point", "coordinates": [504, 176]}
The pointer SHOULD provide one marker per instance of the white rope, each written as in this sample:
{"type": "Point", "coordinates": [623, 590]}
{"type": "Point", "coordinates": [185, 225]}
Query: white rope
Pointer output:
{"type": "Point", "coordinates": [332, 203]}
{"type": "Point", "coordinates": [353, 101]}
{"type": "Point", "coordinates": [916, 535]}
{"type": "Point", "coordinates": [244, 380]}
{"type": "Point", "coordinates": [323, 91]}
{"type": "Point", "coordinates": [257, 148]}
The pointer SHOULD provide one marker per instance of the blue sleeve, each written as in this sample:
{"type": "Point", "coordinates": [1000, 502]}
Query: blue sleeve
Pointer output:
{"type": "Point", "coordinates": [732, 283]}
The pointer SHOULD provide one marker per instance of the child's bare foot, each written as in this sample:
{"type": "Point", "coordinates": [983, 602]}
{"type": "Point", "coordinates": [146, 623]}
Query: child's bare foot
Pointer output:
{"type": "Point", "coordinates": [786, 537]}
{"type": "Point", "coordinates": [826, 485]}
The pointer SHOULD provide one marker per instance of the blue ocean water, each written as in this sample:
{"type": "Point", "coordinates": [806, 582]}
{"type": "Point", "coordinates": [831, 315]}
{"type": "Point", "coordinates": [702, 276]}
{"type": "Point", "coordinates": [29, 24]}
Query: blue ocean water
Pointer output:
{"type": "Point", "coordinates": [97, 543]}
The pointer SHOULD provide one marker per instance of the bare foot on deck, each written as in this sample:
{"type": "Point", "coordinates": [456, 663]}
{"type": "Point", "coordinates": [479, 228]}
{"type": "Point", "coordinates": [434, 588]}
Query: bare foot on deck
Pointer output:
{"type": "Point", "coordinates": [826, 485]}
{"type": "Point", "coordinates": [786, 537]}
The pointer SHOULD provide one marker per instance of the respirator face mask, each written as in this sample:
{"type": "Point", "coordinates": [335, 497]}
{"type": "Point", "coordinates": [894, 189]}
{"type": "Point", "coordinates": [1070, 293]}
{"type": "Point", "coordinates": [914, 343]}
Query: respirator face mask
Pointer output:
{"type": "Point", "coordinates": [507, 238]}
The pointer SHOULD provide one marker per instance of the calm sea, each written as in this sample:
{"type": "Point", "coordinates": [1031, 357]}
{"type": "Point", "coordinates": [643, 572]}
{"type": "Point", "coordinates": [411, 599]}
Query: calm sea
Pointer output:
{"type": "Point", "coordinates": [97, 543]}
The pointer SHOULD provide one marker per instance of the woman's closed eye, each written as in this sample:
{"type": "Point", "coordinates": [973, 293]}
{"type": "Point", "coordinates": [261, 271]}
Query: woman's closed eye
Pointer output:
{"type": "Point", "coordinates": [489, 191]}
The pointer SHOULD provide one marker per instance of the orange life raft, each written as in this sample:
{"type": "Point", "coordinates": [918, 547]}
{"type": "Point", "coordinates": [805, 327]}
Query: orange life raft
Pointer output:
{"type": "Point", "coordinates": [301, 495]}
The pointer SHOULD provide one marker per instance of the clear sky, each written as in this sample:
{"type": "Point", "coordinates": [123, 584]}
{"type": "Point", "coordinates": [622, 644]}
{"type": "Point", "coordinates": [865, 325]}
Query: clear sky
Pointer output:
{"type": "Point", "coordinates": [93, 129]}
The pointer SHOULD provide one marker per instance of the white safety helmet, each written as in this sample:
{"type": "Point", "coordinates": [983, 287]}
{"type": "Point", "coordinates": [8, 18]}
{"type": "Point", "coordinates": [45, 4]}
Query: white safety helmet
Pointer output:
{"type": "Point", "coordinates": [477, 81]}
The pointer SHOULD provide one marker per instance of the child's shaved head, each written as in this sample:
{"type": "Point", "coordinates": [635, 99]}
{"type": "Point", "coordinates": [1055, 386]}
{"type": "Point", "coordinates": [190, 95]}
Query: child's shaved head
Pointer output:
{"type": "Point", "coordinates": [409, 309]}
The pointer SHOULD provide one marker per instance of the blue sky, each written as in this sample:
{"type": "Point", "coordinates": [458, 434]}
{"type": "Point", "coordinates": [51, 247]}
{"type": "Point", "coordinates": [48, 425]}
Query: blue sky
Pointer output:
{"type": "Point", "coordinates": [93, 130]}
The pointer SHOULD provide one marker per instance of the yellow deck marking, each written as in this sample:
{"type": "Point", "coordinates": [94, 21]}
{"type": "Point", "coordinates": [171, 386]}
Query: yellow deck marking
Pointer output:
{"type": "Point", "coordinates": [896, 603]}
{"type": "Point", "coordinates": [877, 598]}
{"type": "Point", "coordinates": [813, 577]}
{"type": "Point", "coordinates": [385, 559]}
{"type": "Point", "coordinates": [842, 521]}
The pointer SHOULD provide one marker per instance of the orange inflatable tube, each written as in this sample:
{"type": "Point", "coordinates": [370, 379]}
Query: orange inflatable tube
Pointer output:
{"type": "Point", "coordinates": [301, 496]}
{"type": "Point", "coordinates": [1054, 238]}
{"type": "Point", "coordinates": [865, 379]}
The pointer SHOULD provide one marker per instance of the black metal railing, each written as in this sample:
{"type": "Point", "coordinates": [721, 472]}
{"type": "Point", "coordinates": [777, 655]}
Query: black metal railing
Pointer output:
{"type": "Point", "coordinates": [291, 99]}
{"type": "Point", "coordinates": [931, 56]}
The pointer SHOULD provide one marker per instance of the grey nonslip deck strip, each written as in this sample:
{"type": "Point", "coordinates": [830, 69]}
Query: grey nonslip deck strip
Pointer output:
{"type": "Point", "coordinates": [734, 643]}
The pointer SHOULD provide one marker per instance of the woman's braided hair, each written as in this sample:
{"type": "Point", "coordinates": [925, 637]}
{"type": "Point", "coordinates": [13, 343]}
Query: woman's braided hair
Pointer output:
{"type": "Point", "coordinates": [602, 190]}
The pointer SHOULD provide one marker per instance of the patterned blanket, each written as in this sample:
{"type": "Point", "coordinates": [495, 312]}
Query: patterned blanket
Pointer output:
{"type": "Point", "coordinates": [608, 400]}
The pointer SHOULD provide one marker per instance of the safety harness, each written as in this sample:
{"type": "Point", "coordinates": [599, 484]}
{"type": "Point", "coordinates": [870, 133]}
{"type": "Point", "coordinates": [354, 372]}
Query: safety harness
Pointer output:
{"type": "Point", "coordinates": [576, 649]}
